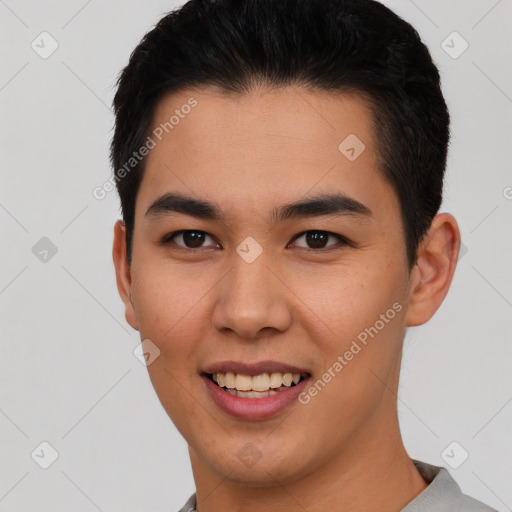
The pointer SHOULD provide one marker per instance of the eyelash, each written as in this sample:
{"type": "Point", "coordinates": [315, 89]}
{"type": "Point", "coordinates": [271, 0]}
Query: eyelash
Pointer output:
{"type": "Point", "coordinates": [167, 239]}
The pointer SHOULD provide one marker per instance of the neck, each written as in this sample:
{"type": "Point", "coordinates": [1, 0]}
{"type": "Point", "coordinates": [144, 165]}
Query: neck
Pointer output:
{"type": "Point", "coordinates": [373, 471]}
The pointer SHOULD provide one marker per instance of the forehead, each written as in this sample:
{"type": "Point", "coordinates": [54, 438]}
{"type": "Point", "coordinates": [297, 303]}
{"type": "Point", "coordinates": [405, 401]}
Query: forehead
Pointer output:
{"type": "Point", "coordinates": [269, 146]}
{"type": "Point", "coordinates": [267, 117]}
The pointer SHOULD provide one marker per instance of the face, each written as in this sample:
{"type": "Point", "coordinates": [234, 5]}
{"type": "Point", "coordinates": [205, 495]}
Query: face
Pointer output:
{"type": "Point", "coordinates": [279, 249]}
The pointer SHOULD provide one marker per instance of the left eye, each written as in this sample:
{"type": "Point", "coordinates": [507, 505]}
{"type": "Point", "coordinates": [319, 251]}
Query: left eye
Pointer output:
{"type": "Point", "coordinates": [318, 239]}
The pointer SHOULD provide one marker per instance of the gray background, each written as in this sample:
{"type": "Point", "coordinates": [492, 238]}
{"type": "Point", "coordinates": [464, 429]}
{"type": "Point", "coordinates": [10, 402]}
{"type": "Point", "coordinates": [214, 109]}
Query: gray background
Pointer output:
{"type": "Point", "coordinates": [68, 373]}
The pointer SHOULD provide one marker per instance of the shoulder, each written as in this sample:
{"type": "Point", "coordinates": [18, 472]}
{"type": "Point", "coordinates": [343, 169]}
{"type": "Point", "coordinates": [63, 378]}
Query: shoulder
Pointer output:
{"type": "Point", "coordinates": [469, 504]}
{"type": "Point", "coordinates": [443, 493]}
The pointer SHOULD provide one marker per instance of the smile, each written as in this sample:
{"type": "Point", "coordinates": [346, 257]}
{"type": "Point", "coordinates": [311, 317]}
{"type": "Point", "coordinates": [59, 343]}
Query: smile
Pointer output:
{"type": "Point", "coordinates": [254, 397]}
{"type": "Point", "coordinates": [256, 386]}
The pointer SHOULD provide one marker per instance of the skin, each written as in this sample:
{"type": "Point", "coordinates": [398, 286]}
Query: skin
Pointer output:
{"type": "Point", "coordinates": [249, 154]}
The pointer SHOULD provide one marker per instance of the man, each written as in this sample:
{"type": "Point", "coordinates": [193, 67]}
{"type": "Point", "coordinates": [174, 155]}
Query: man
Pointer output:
{"type": "Point", "coordinates": [280, 166]}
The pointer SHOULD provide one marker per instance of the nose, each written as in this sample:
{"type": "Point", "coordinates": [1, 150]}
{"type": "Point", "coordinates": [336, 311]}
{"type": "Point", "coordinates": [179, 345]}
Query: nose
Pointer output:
{"type": "Point", "coordinates": [252, 300]}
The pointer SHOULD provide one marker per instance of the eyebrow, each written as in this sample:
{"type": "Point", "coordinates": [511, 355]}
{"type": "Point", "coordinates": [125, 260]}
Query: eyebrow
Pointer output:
{"type": "Point", "coordinates": [324, 204]}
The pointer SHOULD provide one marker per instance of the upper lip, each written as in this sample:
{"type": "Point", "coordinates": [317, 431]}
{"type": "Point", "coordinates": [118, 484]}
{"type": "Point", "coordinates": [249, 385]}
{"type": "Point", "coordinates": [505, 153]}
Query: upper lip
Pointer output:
{"type": "Point", "coordinates": [253, 369]}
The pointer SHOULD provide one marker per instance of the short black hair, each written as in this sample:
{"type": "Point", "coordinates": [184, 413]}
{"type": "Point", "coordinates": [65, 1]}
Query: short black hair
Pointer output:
{"type": "Point", "coordinates": [353, 46]}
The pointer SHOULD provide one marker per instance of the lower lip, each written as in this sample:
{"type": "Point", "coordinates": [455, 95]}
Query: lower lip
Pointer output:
{"type": "Point", "coordinates": [253, 408]}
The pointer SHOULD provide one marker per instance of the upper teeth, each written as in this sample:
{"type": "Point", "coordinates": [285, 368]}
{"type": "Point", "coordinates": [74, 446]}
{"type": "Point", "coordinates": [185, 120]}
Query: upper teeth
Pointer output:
{"type": "Point", "coordinates": [262, 382]}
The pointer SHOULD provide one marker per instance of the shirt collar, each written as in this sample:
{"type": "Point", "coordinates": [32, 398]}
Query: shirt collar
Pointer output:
{"type": "Point", "coordinates": [442, 493]}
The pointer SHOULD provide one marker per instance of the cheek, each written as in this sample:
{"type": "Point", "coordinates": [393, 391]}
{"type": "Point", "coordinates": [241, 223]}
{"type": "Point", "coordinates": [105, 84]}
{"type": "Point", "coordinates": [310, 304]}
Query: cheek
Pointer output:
{"type": "Point", "coordinates": [348, 298]}
{"type": "Point", "coordinates": [359, 337]}
{"type": "Point", "coordinates": [167, 299]}
{"type": "Point", "coordinates": [172, 315]}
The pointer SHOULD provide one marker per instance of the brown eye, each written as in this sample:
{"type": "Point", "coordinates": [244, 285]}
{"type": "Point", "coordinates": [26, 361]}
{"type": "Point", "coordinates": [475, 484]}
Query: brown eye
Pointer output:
{"type": "Point", "coordinates": [193, 238]}
{"type": "Point", "coordinates": [190, 239]}
{"type": "Point", "coordinates": [318, 239]}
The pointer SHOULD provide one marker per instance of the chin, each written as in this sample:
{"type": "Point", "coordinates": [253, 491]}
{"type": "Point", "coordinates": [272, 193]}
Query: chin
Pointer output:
{"type": "Point", "coordinates": [259, 475]}
{"type": "Point", "coordinates": [258, 465]}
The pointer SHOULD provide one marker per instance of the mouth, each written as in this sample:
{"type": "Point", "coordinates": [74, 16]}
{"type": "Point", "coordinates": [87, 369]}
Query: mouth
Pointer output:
{"type": "Point", "coordinates": [256, 386]}
{"type": "Point", "coordinates": [254, 391]}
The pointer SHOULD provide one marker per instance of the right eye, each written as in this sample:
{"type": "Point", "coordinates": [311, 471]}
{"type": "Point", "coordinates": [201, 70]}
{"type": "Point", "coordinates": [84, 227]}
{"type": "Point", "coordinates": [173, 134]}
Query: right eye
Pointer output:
{"type": "Point", "coordinates": [191, 239]}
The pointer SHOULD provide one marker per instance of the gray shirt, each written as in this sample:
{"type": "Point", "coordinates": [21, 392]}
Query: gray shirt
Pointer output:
{"type": "Point", "coordinates": [442, 495]}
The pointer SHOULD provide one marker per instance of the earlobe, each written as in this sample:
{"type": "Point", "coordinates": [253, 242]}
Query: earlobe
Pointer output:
{"type": "Point", "coordinates": [433, 272]}
{"type": "Point", "coordinates": [123, 273]}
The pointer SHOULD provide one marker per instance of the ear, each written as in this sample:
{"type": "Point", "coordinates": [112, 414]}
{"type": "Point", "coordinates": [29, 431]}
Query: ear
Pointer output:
{"type": "Point", "coordinates": [433, 271]}
{"type": "Point", "coordinates": [123, 273]}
